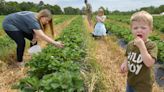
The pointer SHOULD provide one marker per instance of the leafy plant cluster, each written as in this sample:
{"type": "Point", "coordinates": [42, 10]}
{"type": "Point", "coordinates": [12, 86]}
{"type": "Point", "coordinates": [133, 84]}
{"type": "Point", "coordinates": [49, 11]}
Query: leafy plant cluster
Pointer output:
{"type": "Point", "coordinates": [6, 44]}
{"type": "Point", "coordinates": [1, 21]}
{"type": "Point", "coordinates": [61, 18]}
{"type": "Point", "coordinates": [123, 18]}
{"type": "Point", "coordinates": [119, 31]}
{"type": "Point", "coordinates": [157, 23]}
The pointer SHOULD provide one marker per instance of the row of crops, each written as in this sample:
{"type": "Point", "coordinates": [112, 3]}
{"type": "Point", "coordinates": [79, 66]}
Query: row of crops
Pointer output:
{"type": "Point", "coordinates": [58, 69]}
{"type": "Point", "coordinates": [1, 20]}
{"type": "Point", "coordinates": [7, 46]}
{"type": "Point", "coordinates": [123, 18]}
{"type": "Point", "coordinates": [125, 33]}
{"type": "Point", "coordinates": [158, 21]}
{"type": "Point", "coordinates": [61, 18]}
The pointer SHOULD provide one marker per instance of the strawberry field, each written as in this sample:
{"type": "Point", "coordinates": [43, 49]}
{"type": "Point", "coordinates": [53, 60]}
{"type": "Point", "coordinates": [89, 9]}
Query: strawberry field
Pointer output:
{"type": "Point", "coordinates": [83, 65]}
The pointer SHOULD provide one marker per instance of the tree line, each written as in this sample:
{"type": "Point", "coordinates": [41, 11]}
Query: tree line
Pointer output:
{"type": "Point", "coordinates": [11, 7]}
{"type": "Point", "coordinates": [150, 9]}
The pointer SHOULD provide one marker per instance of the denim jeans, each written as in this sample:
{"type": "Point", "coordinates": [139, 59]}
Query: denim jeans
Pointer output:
{"type": "Point", "coordinates": [129, 88]}
{"type": "Point", "coordinates": [19, 38]}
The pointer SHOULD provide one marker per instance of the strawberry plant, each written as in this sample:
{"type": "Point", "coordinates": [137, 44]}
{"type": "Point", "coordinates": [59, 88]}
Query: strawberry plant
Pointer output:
{"type": "Point", "coordinates": [59, 19]}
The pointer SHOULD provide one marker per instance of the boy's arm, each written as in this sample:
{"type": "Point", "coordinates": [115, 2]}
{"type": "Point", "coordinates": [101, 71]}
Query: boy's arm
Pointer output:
{"type": "Point", "coordinates": [148, 60]}
{"type": "Point", "coordinates": [146, 57]}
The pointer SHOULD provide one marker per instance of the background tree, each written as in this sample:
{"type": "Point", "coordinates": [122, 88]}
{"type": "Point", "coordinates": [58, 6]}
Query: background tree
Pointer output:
{"type": "Point", "coordinates": [11, 7]}
{"type": "Point", "coordinates": [26, 6]}
{"type": "Point", "coordinates": [71, 11]}
{"type": "Point", "coordinates": [57, 9]}
{"type": "Point", "coordinates": [2, 7]}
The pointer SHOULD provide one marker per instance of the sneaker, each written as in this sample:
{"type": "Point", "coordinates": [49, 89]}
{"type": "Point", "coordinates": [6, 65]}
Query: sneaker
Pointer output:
{"type": "Point", "coordinates": [20, 64]}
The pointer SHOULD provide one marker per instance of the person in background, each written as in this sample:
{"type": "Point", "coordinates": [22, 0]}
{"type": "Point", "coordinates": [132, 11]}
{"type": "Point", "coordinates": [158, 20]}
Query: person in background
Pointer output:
{"type": "Point", "coordinates": [141, 54]}
{"type": "Point", "coordinates": [100, 29]}
{"type": "Point", "coordinates": [88, 12]}
{"type": "Point", "coordinates": [30, 25]}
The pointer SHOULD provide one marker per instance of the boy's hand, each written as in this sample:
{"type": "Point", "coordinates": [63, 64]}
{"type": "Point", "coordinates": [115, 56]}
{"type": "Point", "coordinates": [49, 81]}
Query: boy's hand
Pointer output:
{"type": "Point", "coordinates": [124, 67]}
{"type": "Point", "coordinates": [139, 42]}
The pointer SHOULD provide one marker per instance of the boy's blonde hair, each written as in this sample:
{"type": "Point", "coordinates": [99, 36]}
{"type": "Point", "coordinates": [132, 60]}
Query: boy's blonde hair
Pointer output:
{"type": "Point", "coordinates": [142, 16]}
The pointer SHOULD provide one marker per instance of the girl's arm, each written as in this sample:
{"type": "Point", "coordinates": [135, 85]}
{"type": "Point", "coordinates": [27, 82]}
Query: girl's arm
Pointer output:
{"type": "Point", "coordinates": [98, 19]}
{"type": "Point", "coordinates": [34, 40]}
{"type": "Point", "coordinates": [102, 19]}
{"type": "Point", "coordinates": [40, 34]}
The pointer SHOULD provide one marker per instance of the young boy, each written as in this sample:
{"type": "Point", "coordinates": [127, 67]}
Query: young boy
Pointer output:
{"type": "Point", "coordinates": [141, 54]}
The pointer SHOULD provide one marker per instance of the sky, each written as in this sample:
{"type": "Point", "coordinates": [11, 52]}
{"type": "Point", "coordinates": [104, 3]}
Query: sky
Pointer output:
{"type": "Point", "coordinates": [121, 5]}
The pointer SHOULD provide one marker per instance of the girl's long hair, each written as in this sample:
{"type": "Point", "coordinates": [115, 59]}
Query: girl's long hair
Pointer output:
{"type": "Point", "coordinates": [46, 13]}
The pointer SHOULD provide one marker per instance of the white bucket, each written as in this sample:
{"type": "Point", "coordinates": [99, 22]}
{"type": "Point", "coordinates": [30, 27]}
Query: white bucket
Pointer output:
{"type": "Point", "coordinates": [34, 49]}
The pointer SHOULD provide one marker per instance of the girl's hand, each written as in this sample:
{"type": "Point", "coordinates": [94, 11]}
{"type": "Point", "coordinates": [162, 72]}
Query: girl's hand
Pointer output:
{"type": "Point", "coordinates": [34, 41]}
{"type": "Point", "coordinates": [58, 44]}
{"type": "Point", "coordinates": [98, 20]}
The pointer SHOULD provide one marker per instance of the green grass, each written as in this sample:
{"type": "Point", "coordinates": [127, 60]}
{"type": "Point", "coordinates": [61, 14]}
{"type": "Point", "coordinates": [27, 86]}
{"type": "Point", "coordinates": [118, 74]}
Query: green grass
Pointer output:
{"type": "Point", "coordinates": [1, 20]}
